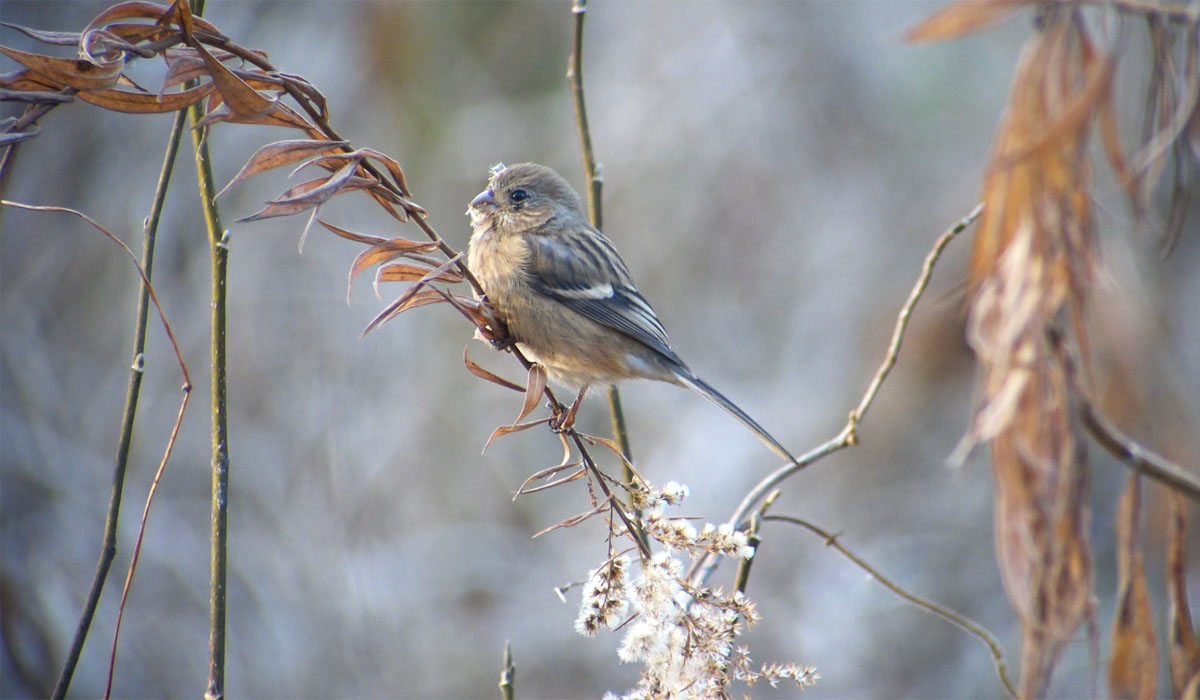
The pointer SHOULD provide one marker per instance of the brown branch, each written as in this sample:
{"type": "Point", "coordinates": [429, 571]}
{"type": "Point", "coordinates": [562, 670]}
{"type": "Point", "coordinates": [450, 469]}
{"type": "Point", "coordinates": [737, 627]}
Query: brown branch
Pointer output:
{"type": "Point", "coordinates": [1139, 458]}
{"type": "Point", "coordinates": [962, 622]}
{"type": "Point", "coordinates": [848, 435]}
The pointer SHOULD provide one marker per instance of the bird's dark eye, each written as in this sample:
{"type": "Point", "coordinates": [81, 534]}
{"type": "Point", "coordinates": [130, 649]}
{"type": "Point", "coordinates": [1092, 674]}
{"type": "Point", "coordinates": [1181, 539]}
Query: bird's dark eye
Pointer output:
{"type": "Point", "coordinates": [517, 196]}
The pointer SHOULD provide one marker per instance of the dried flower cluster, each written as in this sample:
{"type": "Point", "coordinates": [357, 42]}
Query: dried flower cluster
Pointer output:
{"type": "Point", "coordinates": [681, 634]}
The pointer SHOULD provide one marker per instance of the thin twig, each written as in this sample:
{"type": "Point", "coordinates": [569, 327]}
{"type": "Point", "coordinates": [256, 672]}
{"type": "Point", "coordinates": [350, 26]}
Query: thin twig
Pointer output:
{"type": "Point", "coordinates": [595, 186]}
{"type": "Point", "coordinates": [149, 234]}
{"type": "Point", "coordinates": [218, 239]}
{"type": "Point", "coordinates": [137, 547]}
{"type": "Point", "coordinates": [508, 673]}
{"type": "Point", "coordinates": [848, 435]}
{"type": "Point", "coordinates": [1139, 458]}
{"type": "Point", "coordinates": [962, 622]}
{"type": "Point", "coordinates": [146, 296]}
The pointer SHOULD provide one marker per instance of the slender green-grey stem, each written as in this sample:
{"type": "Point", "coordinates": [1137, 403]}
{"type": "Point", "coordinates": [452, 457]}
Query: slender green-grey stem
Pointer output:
{"type": "Point", "coordinates": [108, 547]}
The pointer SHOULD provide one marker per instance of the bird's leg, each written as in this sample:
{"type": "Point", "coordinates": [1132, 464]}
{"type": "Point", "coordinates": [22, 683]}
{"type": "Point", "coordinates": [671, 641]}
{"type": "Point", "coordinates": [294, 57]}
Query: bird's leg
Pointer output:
{"type": "Point", "coordinates": [566, 420]}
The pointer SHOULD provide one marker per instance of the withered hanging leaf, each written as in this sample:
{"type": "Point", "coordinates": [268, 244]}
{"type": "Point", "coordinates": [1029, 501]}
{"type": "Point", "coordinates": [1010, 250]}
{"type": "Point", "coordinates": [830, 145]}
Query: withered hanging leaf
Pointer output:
{"type": "Point", "coordinates": [137, 33]}
{"type": "Point", "coordinates": [525, 490]}
{"type": "Point", "coordinates": [7, 137]}
{"type": "Point", "coordinates": [471, 310]}
{"type": "Point", "coordinates": [615, 449]}
{"type": "Point", "coordinates": [298, 83]}
{"type": "Point", "coordinates": [352, 236]}
{"type": "Point", "coordinates": [310, 194]}
{"type": "Point", "coordinates": [101, 46]}
{"type": "Point", "coordinates": [963, 17]}
{"type": "Point", "coordinates": [290, 202]}
{"type": "Point", "coordinates": [34, 97]}
{"type": "Point", "coordinates": [243, 100]}
{"type": "Point", "coordinates": [535, 385]}
{"type": "Point", "coordinates": [137, 9]}
{"type": "Point", "coordinates": [1184, 648]}
{"type": "Point", "coordinates": [388, 249]}
{"type": "Point", "coordinates": [564, 463]}
{"type": "Point", "coordinates": [412, 298]}
{"type": "Point", "coordinates": [1030, 269]}
{"type": "Point", "coordinates": [1133, 668]}
{"type": "Point", "coordinates": [393, 167]}
{"type": "Point", "coordinates": [509, 429]}
{"type": "Point", "coordinates": [53, 38]}
{"type": "Point", "coordinates": [407, 272]}
{"type": "Point", "coordinates": [28, 81]}
{"type": "Point", "coordinates": [181, 68]}
{"type": "Point", "coordinates": [73, 72]}
{"type": "Point", "coordinates": [280, 115]}
{"type": "Point", "coordinates": [484, 374]}
{"type": "Point", "coordinates": [144, 103]}
{"type": "Point", "coordinates": [406, 300]}
{"type": "Point", "coordinates": [180, 12]}
{"type": "Point", "coordinates": [574, 519]}
{"type": "Point", "coordinates": [280, 153]}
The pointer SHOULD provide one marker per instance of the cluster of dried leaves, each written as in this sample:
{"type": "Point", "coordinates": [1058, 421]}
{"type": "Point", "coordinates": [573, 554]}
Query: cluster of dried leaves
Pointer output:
{"type": "Point", "coordinates": [238, 85]}
{"type": "Point", "coordinates": [1031, 269]}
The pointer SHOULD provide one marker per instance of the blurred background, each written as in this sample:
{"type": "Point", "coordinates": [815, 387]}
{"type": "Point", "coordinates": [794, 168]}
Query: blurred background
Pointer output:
{"type": "Point", "coordinates": [774, 175]}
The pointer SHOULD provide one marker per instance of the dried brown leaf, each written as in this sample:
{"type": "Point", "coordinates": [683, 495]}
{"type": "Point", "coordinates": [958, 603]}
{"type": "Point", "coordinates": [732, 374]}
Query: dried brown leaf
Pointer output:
{"type": "Point", "coordinates": [144, 103]}
{"type": "Point", "coordinates": [310, 194]}
{"type": "Point", "coordinates": [535, 386]}
{"type": "Point", "coordinates": [393, 167]}
{"type": "Point", "coordinates": [1030, 269]}
{"type": "Point", "coordinates": [573, 520]}
{"type": "Point", "coordinates": [413, 297]}
{"type": "Point", "coordinates": [484, 374]}
{"type": "Point", "coordinates": [407, 272]}
{"type": "Point", "coordinates": [386, 250]}
{"type": "Point", "coordinates": [73, 72]}
{"type": "Point", "coordinates": [574, 476]}
{"type": "Point", "coordinates": [963, 17]}
{"type": "Point", "coordinates": [137, 33]}
{"type": "Point", "coordinates": [613, 447]}
{"type": "Point", "coordinates": [509, 429]}
{"type": "Point", "coordinates": [28, 81]}
{"type": "Point", "coordinates": [290, 202]}
{"type": "Point", "coordinates": [243, 101]}
{"type": "Point", "coordinates": [138, 9]}
{"type": "Point", "coordinates": [102, 46]}
{"type": "Point", "coordinates": [280, 153]}
{"type": "Point", "coordinates": [471, 310]}
{"type": "Point", "coordinates": [46, 37]}
{"type": "Point", "coordinates": [1183, 647]}
{"type": "Point", "coordinates": [352, 236]}
{"type": "Point", "coordinates": [1133, 667]}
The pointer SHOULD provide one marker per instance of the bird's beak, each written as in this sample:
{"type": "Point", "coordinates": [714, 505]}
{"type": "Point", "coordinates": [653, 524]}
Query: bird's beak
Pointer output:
{"type": "Point", "coordinates": [484, 201]}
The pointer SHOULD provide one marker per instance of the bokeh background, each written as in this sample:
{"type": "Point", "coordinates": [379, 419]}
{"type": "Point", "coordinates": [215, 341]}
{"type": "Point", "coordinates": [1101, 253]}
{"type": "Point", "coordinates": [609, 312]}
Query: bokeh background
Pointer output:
{"type": "Point", "coordinates": [775, 173]}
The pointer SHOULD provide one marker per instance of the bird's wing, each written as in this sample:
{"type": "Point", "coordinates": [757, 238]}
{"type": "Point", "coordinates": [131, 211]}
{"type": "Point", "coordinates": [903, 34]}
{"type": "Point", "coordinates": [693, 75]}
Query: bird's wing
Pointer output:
{"type": "Point", "coordinates": [580, 269]}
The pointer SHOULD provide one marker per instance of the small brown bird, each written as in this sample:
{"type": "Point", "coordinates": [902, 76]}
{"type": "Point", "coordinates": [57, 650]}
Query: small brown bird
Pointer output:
{"type": "Point", "coordinates": [566, 294]}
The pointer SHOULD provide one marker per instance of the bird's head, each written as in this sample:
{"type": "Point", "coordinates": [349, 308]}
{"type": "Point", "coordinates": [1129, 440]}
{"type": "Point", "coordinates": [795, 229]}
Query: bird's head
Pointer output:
{"type": "Point", "coordinates": [522, 197]}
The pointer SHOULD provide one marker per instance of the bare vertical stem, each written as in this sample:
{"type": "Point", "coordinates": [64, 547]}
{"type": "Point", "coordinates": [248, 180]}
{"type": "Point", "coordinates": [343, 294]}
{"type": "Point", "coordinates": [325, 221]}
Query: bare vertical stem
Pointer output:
{"type": "Point", "coordinates": [595, 184]}
{"type": "Point", "coordinates": [108, 547]}
{"type": "Point", "coordinates": [218, 240]}
{"type": "Point", "coordinates": [508, 673]}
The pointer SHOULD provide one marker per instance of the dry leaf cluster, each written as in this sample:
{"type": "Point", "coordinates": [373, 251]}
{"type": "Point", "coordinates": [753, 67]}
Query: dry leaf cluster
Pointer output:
{"type": "Point", "coordinates": [1032, 267]}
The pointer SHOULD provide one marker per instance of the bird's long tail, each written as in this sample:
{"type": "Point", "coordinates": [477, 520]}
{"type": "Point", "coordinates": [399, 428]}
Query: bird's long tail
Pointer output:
{"type": "Point", "coordinates": [699, 386]}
